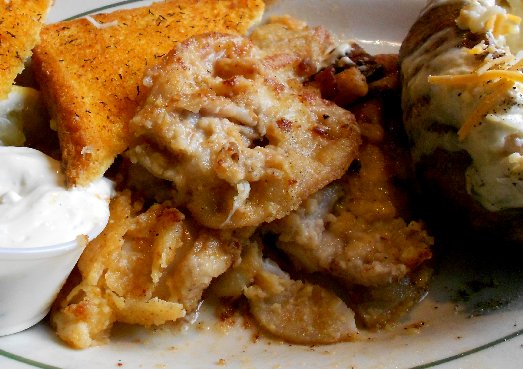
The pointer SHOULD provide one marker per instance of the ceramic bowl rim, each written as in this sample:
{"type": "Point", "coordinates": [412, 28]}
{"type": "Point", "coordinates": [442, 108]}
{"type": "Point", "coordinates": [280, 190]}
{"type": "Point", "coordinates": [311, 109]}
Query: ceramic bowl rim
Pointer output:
{"type": "Point", "coordinates": [12, 253]}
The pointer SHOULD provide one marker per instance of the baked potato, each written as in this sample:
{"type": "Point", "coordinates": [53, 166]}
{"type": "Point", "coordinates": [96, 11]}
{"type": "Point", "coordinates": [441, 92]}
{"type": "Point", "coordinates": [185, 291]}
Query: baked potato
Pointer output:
{"type": "Point", "coordinates": [462, 101]}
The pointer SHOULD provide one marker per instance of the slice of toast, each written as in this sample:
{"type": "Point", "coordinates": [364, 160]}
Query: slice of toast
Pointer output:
{"type": "Point", "coordinates": [20, 24]}
{"type": "Point", "coordinates": [90, 71]}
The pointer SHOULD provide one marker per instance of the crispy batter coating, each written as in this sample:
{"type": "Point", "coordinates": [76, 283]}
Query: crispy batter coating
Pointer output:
{"type": "Point", "coordinates": [294, 310]}
{"type": "Point", "coordinates": [298, 311]}
{"type": "Point", "coordinates": [383, 306]}
{"type": "Point", "coordinates": [229, 131]}
{"type": "Point", "coordinates": [91, 74]}
{"type": "Point", "coordinates": [353, 228]}
{"type": "Point", "coordinates": [146, 268]}
{"type": "Point", "coordinates": [304, 46]}
{"type": "Point", "coordinates": [20, 24]}
{"type": "Point", "coordinates": [236, 131]}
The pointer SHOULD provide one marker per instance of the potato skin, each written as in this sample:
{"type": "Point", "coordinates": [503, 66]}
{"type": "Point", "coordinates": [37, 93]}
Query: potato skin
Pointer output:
{"type": "Point", "coordinates": [430, 20]}
{"type": "Point", "coordinates": [450, 210]}
{"type": "Point", "coordinates": [441, 174]}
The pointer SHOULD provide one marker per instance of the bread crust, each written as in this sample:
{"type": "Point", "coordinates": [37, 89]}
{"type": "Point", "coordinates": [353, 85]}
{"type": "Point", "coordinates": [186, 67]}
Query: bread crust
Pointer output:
{"type": "Point", "coordinates": [20, 24]}
{"type": "Point", "coordinates": [90, 71]}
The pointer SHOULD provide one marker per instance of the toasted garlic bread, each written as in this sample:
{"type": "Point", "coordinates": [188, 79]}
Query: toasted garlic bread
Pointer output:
{"type": "Point", "coordinates": [91, 71]}
{"type": "Point", "coordinates": [20, 24]}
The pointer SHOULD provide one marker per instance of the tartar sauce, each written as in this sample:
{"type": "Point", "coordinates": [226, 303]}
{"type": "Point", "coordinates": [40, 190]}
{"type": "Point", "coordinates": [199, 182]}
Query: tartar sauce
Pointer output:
{"type": "Point", "coordinates": [36, 208]}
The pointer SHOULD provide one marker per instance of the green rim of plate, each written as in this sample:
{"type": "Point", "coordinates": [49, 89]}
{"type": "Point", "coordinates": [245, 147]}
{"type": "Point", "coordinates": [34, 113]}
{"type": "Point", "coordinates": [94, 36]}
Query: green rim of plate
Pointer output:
{"type": "Point", "coordinates": [471, 351]}
{"type": "Point", "coordinates": [102, 8]}
{"type": "Point", "coordinates": [10, 355]}
{"type": "Point", "coordinates": [24, 360]}
{"type": "Point", "coordinates": [431, 364]}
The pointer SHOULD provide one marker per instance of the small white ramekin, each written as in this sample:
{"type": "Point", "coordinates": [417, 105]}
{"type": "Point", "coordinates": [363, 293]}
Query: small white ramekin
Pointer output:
{"type": "Point", "coordinates": [30, 279]}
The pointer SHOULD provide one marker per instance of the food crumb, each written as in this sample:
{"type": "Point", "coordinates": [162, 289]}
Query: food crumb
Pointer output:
{"type": "Point", "coordinates": [255, 337]}
{"type": "Point", "coordinates": [414, 328]}
{"type": "Point", "coordinates": [221, 362]}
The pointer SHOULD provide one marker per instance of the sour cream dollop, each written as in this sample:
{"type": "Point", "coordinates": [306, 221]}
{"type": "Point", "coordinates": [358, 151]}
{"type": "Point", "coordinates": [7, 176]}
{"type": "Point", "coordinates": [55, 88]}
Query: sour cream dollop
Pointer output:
{"type": "Point", "coordinates": [37, 209]}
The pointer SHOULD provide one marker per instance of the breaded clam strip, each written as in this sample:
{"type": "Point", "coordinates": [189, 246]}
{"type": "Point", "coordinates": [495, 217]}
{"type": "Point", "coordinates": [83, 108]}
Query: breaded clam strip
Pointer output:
{"type": "Point", "coordinates": [236, 131]}
{"type": "Point", "coordinates": [294, 310]}
{"type": "Point", "coordinates": [146, 268]}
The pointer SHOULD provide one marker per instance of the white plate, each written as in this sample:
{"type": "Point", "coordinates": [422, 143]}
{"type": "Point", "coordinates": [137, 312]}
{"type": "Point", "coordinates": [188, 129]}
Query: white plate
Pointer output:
{"type": "Point", "coordinates": [472, 318]}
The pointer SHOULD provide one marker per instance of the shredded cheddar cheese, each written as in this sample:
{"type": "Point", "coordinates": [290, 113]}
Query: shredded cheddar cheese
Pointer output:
{"type": "Point", "coordinates": [478, 49]}
{"type": "Point", "coordinates": [502, 71]}
{"type": "Point", "coordinates": [490, 63]}
{"type": "Point", "coordinates": [466, 79]}
{"type": "Point", "coordinates": [492, 97]}
{"type": "Point", "coordinates": [502, 24]}
{"type": "Point", "coordinates": [467, 76]}
{"type": "Point", "coordinates": [484, 16]}
{"type": "Point", "coordinates": [504, 80]}
{"type": "Point", "coordinates": [517, 66]}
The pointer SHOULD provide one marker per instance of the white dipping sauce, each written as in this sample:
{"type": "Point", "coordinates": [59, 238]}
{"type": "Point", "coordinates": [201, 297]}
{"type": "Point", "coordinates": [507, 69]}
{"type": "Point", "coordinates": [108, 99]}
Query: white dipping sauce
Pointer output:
{"type": "Point", "coordinates": [36, 209]}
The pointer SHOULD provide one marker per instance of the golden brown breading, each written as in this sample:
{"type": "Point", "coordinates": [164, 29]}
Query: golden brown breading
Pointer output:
{"type": "Point", "coordinates": [294, 310]}
{"type": "Point", "coordinates": [290, 36]}
{"type": "Point", "coordinates": [20, 24]}
{"type": "Point", "coordinates": [146, 268]}
{"type": "Point", "coordinates": [353, 229]}
{"type": "Point", "coordinates": [379, 307]}
{"type": "Point", "coordinates": [297, 311]}
{"type": "Point", "coordinates": [91, 74]}
{"type": "Point", "coordinates": [236, 131]}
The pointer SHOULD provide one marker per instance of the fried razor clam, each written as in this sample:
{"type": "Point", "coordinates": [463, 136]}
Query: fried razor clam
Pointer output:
{"type": "Point", "coordinates": [350, 229]}
{"type": "Point", "coordinates": [294, 310]}
{"type": "Point", "coordinates": [233, 127]}
{"type": "Point", "coordinates": [379, 307]}
{"type": "Point", "coordinates": [147, 267]}
{"type": "Point", "coordinates": [299, 312]}
{"type": "Point", "coordinates": [353, 229]}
